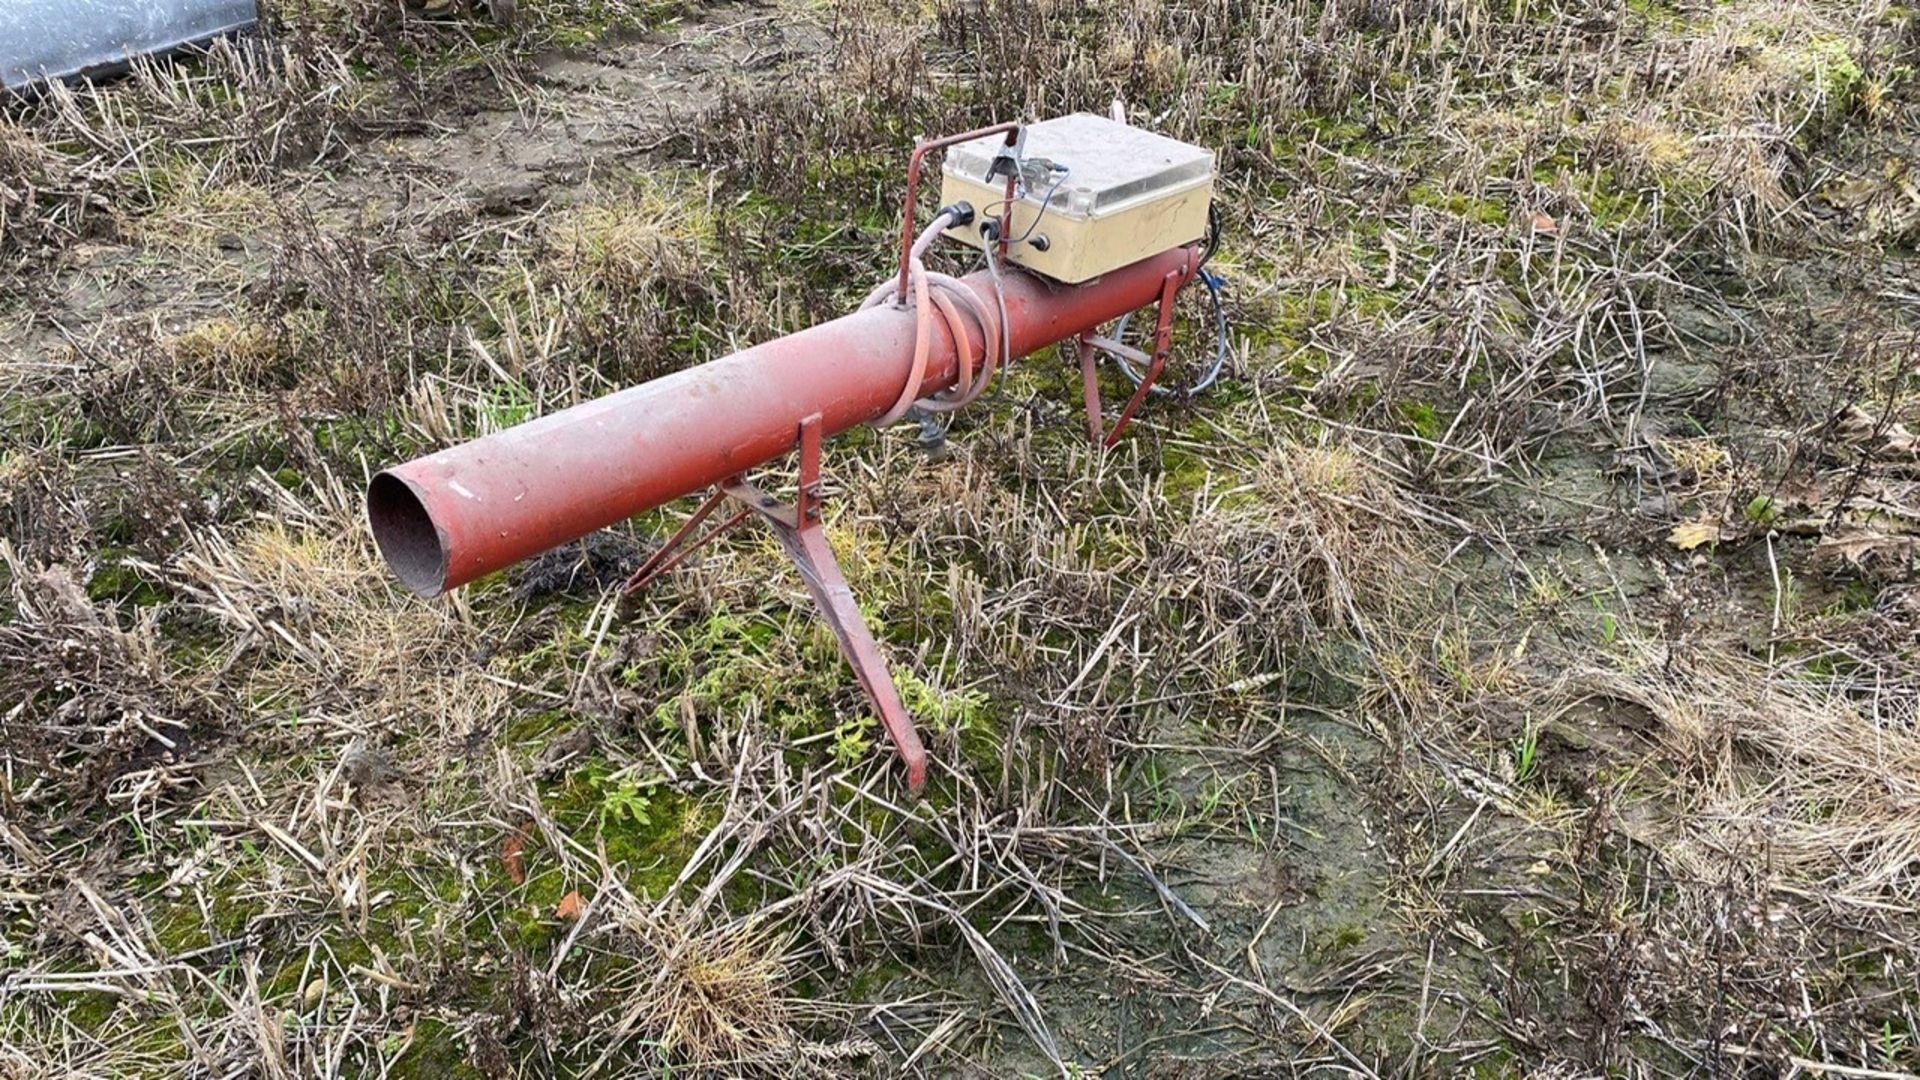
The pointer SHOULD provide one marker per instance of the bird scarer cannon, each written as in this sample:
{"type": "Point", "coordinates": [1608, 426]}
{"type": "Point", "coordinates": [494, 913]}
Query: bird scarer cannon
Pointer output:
{"type": "Point", "coordinates": [1082, 221]}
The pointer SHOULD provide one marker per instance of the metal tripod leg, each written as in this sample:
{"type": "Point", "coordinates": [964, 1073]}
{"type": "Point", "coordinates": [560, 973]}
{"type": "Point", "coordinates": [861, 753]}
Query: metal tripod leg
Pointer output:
{"type": "Point", "coordinates": [811, 554]}
{"type": "Point", "coordinates": [805, 542]}
{"type": "Point", "coordinates": [1091, 345]}
{"type": "Point", "coordinates": [678, 547]}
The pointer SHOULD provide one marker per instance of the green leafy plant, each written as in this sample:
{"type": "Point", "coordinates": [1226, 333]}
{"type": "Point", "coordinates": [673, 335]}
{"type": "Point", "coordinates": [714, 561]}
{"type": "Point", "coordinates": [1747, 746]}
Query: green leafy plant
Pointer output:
{"type": "Point", "coordinates": [623, 799]}
{"type": "Point", "coordinates": [852, 740]}
{"type": "Point", "coordinates": [1524, 753]}
{"type": "Point", "coordinates": [1893, 1043]}
{"type": "Point", "coordinates": [954, 710]}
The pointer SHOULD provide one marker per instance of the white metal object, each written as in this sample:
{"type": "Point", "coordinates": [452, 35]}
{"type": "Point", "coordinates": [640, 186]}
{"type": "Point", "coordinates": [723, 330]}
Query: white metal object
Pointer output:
{"type": "Point", "coordinates": [64, 39]}
{"type": "Point", "coordinates": [1119, 194]}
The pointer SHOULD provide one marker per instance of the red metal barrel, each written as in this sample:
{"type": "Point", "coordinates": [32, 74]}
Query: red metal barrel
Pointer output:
{"type": "Point", "coordinates": [448, 518]}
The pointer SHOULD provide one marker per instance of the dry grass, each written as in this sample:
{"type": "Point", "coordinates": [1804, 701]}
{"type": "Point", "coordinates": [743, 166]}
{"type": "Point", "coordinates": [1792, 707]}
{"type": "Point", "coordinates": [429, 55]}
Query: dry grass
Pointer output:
{"type": "Point", "coordinates": [1825, 786]}
{"type": "Point", "coordinates": [1362, 716]}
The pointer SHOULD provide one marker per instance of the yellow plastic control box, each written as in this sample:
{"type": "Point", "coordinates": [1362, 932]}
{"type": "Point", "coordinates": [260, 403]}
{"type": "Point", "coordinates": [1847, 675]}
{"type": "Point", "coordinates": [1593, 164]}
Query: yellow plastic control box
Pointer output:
{"type": "Point", "coordinates": [1118, 195]}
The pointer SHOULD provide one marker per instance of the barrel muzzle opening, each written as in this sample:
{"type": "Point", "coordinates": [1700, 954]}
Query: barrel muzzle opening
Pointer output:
{"type": "Point", "coordinates": [406, 535]}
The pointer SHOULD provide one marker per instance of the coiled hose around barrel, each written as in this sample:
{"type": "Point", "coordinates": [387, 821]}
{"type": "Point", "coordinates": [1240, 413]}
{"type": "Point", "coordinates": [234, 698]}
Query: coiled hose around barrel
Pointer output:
{"type": "Point", "coordinates": [939, 295]}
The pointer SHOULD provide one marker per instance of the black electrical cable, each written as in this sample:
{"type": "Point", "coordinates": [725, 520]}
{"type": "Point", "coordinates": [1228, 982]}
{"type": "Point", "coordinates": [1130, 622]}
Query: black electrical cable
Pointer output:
{"type": "Point", "coordinates": [1061, 172]}
{"type": "Point", "coordinates": [1213, 235]}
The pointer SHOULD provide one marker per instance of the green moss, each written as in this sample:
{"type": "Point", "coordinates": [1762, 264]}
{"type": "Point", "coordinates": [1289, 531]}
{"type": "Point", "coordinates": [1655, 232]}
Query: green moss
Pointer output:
{"type": "Point", "coordinates": [1342, 133]}
{"type": "Point", "coordinates": [1661, 15]}
{"type": "Point", "coordinates": [435, 1053]}
{"type": "Point", "coordinates": [1826, 66]}
{"type": "Point", "coordinates": [1856, 595]}
{"type": "Point", "coordinates": [1608, 203]}
{"type": "Point", "coordinates": [1183, 471]}
{"type": "Point", "coordinates": [868, 983]}
{"type": "Point", "coordinates": [1419, 417]}
{"type": "Point", "coordinates": [91, 1011]}
{"type": "Point", "coordinates": [117, 582]}
{"type": "Point", "coordinates": [647, 829]}
{"type": "Point", "coordinates": [1097, 897]}
{"type": "Point", "coordinates": [1459, 204]}
{"type": "Point", "coordinates": [984, 746]}
{"type": "Point", "coordinates": [1343, 940]}
{"type": "Point", "coordinates": [532, 727]}
{"type": "Point", "coordinates": [1286, 326]}
{"type": "Point", "coordinates": [580, 23]}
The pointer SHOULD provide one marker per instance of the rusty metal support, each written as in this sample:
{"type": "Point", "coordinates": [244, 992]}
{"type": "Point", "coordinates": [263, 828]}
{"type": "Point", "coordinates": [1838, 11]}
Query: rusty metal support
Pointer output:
{"type": "Point", "coordinates": [798, 528]}
{"type": "Point", "coordinates": [921, 148]}
{"type": "Point", "coordinates": [1092, 344]}
{"type": "Point", "coordinates": [678, 547]}
{"type": "Point", "coordinates": [805, 541]}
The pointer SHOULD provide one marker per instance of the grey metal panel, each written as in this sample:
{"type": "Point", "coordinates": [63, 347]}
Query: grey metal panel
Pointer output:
{"type": "Point", "coordinates": [62, 39]}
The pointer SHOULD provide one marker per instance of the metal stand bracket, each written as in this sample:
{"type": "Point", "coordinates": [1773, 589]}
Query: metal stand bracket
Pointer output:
{"type": "Point", "coordinates": [1091, 345]}
{"type": "Point", "coordinates": [799, 531]}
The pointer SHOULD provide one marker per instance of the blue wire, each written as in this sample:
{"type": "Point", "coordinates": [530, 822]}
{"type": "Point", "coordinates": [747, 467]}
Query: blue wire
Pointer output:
{"type": "Point", "coordinates": [1214, 283]}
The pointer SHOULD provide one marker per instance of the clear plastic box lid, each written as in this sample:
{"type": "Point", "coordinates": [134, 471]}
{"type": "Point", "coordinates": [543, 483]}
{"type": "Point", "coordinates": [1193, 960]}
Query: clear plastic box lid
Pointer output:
{"type": "Point", "coordinates": [1110, 164]}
